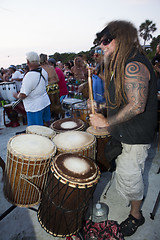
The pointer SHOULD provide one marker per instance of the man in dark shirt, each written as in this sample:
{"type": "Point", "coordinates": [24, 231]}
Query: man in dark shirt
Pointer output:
{"type": "Point", "coordinates": [131, 97]}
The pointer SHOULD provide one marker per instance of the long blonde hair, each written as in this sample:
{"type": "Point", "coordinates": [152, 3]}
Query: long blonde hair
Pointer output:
{"type": "Point", "coordinates": [127, 42]}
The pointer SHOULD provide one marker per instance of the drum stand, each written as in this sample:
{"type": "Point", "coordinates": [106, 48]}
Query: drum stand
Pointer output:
{"type": "Point", "coordinates": [9, 210]}
{"type": "Point", "coordinates": [152, 214]}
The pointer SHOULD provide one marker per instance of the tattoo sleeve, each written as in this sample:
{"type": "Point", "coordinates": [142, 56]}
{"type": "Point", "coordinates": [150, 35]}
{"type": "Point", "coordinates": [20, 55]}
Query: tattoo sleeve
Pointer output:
{"type": "Point", "coordinates": [136, 89]}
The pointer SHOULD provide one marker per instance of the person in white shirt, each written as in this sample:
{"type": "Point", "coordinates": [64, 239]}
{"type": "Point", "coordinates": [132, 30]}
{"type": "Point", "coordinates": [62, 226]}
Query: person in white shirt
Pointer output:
{"type": "Point", "coordinates": [33, 92]}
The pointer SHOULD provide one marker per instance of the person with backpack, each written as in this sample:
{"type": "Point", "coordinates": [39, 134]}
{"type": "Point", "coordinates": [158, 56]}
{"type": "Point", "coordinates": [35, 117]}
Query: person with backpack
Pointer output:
{"type": "Point", "coordinates": [33, 92]}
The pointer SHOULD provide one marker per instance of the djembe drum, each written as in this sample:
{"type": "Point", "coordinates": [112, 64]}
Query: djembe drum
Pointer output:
{"type": "Point", "coordinates": [81, 111]}
{"type": "Point", "coordinates": [12, 116]}
{"type": "Point", "coordinates": [102, 138]}
{"type": "Point", "coordinates": [10, 90]}
{"type": "Point", "coordinates": [3, 91]}
{"type": "Point", "coordinates": [41, 130]}
{"type": "Point", "coordinates": [67, 124]}
{"type": "Point", "coordinates": [79, 142]}
{"type": "Point", "coordinates": [55, 107]}
{"type": "Point", "coordinates": [70, 186]}
{"type": "Point", "coordinates": [27, 167]}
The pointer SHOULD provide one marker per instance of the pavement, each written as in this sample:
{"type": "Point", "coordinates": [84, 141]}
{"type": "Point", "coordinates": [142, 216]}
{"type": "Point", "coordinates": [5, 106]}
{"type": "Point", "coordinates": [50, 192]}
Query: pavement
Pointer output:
{"type": "Point", "coordinates": [22, 223]}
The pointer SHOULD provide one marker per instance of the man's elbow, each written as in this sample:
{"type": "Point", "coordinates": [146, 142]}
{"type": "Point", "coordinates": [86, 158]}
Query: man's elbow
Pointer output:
{"type": "Point", "coordinates": [140, 110]}
{"type": "Point", "coordinates": [22, 96]}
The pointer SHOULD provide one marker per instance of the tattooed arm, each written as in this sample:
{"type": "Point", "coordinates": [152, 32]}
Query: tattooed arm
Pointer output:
{"type": "Point", "coordinates": [136, 87]}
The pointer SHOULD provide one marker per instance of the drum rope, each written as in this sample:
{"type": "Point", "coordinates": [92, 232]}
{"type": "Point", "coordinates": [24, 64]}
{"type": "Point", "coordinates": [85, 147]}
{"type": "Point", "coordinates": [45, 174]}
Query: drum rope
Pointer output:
{"type": "Point", "coordinates": [23, 176]}
{"type": "Point", "coordinates": [34, 185]}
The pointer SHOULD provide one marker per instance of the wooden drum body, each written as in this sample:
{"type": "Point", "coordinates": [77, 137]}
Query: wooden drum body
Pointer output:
{"type": "Point", "coordinates": [41, 130]}
{"type": "Point", "coordinates": [67, 124]}
{"type": "Point", "coordinates": [70, 186]}
{"type": "Point", "coordinates": [102, 139]}
{"type": "Point", "coordinates": [27, 167]}
{"type": "Point", "coordinates": [79, 142]}
{"type": "Point", "coordinates": [80, 111]}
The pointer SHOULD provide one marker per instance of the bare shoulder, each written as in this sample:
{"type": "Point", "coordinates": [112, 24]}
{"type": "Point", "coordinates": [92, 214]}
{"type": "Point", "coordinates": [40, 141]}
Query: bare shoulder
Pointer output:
{"type": "Point", "coordinates": [137, 71]}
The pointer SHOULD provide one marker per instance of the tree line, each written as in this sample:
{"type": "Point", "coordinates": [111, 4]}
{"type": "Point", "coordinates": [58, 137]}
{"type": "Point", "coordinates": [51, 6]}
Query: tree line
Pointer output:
{"type": "Point", "coordinates": [146, 29]}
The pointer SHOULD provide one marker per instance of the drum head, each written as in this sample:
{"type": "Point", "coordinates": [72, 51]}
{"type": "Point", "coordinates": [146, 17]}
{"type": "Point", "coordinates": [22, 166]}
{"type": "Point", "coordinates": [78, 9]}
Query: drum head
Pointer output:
{"type": "Point", "coordinates": [67, 124]}
{"type": "Point", "coordinates": [73, 140]}
{"type": "Point", "coordinates": [31, 145]}
{"type": "Point", "coordinates": [80, 105]}
{"type": "Point", "coordinates": [67, 102]}
{"type": "Point", "coordinates": [41, 130]}
{"type": "Point", "coordinates": [75, 168]}
{"type": "Point", "coordinates": [97, 132]}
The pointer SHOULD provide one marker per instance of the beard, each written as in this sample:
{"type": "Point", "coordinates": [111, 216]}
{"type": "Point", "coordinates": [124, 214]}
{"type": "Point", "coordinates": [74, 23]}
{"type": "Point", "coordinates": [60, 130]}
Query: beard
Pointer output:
{"type": "Point", "coordinates": [107, 59]}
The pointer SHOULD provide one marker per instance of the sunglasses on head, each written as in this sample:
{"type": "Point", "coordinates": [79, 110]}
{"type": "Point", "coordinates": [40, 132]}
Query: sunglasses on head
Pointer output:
{"type": "Point", "coordinates": [106, 41]}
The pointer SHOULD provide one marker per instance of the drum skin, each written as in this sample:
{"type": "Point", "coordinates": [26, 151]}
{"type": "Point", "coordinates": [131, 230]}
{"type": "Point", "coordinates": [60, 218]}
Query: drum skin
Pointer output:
{"type": "Point", "coordinates": [67, 124]}
{"type": "Point", "coordinates": [68, 103]}
{"type": "Point", "coordinates": [41, 130]}
{"type": "Point", "coordinates": [79, 142]}
{"type": "Point", "coordinates": [25, 174]}
{"type": "Point", "coordinates": [66, 197]}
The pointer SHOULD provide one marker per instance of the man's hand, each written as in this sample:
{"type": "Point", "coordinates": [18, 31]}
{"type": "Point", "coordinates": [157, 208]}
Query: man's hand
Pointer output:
{"type": "Point", "coordinates": [89, 105]}
{"type": "Point", "coordinates": [98, 121]}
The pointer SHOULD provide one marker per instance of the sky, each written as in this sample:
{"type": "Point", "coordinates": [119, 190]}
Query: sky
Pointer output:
{"type": "Point", "coordinates": [49, 26]}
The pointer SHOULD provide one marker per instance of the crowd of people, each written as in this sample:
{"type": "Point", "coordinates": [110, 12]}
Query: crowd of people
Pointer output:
{"type": "Point", "coordinates": [56, 87]}
{"type": "Point", "coordinates": [124, 80]}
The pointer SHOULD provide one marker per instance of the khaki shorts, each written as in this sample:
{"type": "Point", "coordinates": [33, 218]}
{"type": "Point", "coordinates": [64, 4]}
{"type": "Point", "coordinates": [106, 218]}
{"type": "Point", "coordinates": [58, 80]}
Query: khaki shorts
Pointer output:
{"type": "Point", "coordinates": [129, 171]}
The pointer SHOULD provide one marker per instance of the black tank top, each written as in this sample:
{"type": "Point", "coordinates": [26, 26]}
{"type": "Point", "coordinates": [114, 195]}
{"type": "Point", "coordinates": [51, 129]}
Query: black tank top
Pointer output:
{"type": "Point", "coordinates": [140, 129]}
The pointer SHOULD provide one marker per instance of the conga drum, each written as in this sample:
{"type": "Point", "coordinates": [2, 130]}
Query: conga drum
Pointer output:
{"type": "Point", "coordinates": [102, 138]}
{"type": "Point", "coordinates": [55, 106]}
{"type": "Point", "coordinates": [10, 90]}
{"type": "Point", "coordinates": [41, 130]}
{"type": "Point", "coordinates": [12, 115]}
{"type": "Point", "coordinates": [80, 111]}
{"type": "Point", "coordinates": [70, 186]}
{"type": "Point", "coordinates": [79, 142]}
{"type": "Point", "coordinates": [67, 124]}
{"type": "Point", "coordinates": [68, 102]}
{"type": "Point", "coordinates": [28, 160]}
{"type": "Point", "coordinates": [3, 91]}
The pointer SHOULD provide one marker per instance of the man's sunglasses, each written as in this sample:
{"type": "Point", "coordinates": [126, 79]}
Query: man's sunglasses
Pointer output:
{"type": "Point", "coordinates": [105, 41]}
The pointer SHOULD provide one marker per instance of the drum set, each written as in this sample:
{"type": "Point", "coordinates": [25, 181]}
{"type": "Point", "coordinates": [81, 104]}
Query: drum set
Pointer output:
{"type": "Point", "coordinates": [7, 89]}
{"type": "Point", "coordinates": [56, 168]}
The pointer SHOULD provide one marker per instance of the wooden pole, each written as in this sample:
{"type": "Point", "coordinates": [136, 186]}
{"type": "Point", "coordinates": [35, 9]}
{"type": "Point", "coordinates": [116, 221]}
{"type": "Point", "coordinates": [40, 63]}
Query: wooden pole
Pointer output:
{"type": "Point", "coordinates": [90, 90]}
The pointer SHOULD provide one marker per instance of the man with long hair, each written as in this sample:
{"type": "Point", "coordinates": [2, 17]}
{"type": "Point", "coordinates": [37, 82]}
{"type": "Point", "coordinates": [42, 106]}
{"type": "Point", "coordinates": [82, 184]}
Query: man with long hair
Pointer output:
{"type": "Point", "coordinates": [131, 97]}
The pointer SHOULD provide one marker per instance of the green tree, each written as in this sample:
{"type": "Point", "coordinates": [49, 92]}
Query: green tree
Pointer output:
{"type": "Point", "coordinates": [146, 29]}
{"type": "Point", "coordinates": [154, 43]}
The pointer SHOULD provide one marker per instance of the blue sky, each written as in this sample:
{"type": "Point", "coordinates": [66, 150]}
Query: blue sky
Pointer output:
{"type": "Point", "coordinates": [49, 26]}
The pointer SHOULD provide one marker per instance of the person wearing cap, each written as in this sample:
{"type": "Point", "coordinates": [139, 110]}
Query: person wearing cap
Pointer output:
{"type": "Point", "coordinates": [131, 98]}
{"type": "Point", "coordinates": [33, 92]}
{"type": "Point", "coordinates": [17, 76]}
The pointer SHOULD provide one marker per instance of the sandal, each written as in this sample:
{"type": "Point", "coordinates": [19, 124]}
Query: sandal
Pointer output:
{"type": "Point", "coordinates": [130, 225]}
